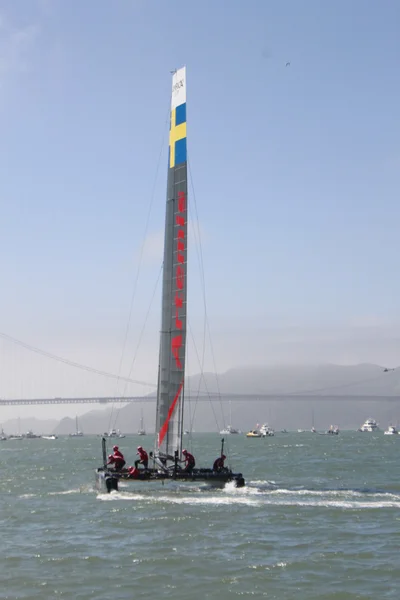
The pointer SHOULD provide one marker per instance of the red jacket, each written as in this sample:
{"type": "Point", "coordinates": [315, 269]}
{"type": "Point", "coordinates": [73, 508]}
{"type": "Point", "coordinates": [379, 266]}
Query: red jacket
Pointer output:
{"type": "Point", "coordinates": [142, 454]}
{"type": "Point", "coordinates": [219, 463]}
{"type": "Point", "coordinates": [134, 472]}
{"type": "Point", "coordinates": [189, 459]}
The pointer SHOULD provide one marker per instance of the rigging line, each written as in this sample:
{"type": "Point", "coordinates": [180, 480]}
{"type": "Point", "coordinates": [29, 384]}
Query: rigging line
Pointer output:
{"type": "Point", "coordinates": [201, 265]}
{"type": "Point", "coordinates": [152, 197]}
{"type": "Point", "coordinates": [140, 336]}
{"type": "Point", "coordinates": [207, 323]}
{"type": "Point", "coordinates": [71, 363]}
{"type": "Point", "coordinates": [135, 285]}
{"type": "Point", "coordinates": [204, 380]}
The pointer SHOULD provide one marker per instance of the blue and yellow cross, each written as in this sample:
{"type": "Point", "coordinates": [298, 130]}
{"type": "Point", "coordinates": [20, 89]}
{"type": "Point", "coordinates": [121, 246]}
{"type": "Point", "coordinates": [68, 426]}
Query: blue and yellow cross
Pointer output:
{"type": "Point", "coordinates": [177, 136]}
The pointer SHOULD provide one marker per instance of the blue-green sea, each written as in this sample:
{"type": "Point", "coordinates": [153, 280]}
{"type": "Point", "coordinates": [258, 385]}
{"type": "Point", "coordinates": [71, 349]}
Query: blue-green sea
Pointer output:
{"type": "Point", "coordinates": [318, 518]}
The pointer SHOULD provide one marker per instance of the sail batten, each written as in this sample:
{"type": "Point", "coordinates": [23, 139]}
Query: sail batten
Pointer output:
{"type": "Point", "coordinates": [170, 391]}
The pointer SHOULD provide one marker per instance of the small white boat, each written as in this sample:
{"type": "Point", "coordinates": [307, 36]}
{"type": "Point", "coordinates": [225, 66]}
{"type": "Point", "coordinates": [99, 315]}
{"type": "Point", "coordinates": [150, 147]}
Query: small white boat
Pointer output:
{"type": "Point", "coordinates": [229, 430]}
{"type": "Point", "coordinates": [114, 433]}
{"type": "Point", "coordinates": [186, 432]}
{"type": "Point", "coordinates": [49, 437]}
{"type": "Point", "coordinates": [369, 425]}
{"type": "Point", "coordinates": [266, 431]}
{"type": "Point", "coordinates": [391, 430]}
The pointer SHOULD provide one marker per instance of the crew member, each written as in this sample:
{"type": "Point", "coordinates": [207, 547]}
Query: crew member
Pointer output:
{"type": "Point", "coordinates": [143, 458]}
{"type": "Point", "coordinates": [133, 472]}
{"type": "Point", "coordinates": [219, 463]}
{"type": "Point", "coordinates": [117, 459]}
{"type": "Point", "coordinates": [190, 463]}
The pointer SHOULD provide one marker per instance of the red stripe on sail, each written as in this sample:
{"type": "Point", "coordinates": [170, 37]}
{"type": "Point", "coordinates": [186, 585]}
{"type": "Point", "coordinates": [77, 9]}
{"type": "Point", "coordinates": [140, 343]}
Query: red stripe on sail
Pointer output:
{"type": "Point", "coordinates": [164, 428]}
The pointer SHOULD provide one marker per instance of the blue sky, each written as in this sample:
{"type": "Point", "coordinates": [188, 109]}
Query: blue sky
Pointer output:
{"type": "Point", "coordinates": [295, 171]}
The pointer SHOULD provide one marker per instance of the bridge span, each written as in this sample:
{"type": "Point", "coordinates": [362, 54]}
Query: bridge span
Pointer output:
{"type": "Point", "coordinates": [200, 398]}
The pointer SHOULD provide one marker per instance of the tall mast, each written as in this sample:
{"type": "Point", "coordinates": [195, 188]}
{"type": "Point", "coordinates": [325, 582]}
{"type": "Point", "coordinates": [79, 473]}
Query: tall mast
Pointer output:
{"type": "Point", "coordinates": [171, 371]}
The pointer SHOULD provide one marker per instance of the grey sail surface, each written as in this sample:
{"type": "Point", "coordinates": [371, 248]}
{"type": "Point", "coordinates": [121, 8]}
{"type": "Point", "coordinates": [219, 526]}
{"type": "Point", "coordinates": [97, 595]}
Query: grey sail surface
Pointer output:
{"type": "Point", "coordinates": [171, 373]}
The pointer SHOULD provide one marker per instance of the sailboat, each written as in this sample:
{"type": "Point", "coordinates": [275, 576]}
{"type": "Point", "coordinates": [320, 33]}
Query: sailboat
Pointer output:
{"type": "Point", "coordinates": [18, 436]}
{"type": "Point", "coordinates": [164, 461]}
{"type": "Point", "coordinates": [229, 430]}
{"type": "Point", "coordinates": [76, 433]}
{"type": "Point", "coordinates": [141, 430]}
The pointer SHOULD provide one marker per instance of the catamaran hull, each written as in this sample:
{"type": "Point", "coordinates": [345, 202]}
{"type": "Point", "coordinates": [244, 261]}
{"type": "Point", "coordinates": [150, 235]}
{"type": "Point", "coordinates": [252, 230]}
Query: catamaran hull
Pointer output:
{"type": "Point", "coordinates": [108, 481]}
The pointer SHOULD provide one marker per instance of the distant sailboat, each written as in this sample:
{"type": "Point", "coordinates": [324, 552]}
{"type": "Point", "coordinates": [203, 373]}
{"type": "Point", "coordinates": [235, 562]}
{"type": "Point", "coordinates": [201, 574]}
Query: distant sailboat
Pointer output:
{"type": "Point", "coordinates": [142, 430]}
{"type": "Point", "coordinates": [76, 433]}
{"type": "Point", "coordinates": [17, 436]}
{"type": "Point", "coordinates": [168, 450]}
{"type": "Point", "coordinates": [229, 430]}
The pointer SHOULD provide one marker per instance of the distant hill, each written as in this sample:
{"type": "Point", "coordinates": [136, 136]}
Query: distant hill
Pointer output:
{"type": "Point", "coordinates": [346, 395]}
{"type": "Point", "coordinates": [357, 380]}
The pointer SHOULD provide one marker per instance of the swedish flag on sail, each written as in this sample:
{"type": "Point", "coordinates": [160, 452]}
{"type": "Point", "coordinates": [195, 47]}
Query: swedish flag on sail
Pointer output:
{"type": "Point", "coordinates": [177, 136]}
{"type": "Point", "coordinates": [177, 133]}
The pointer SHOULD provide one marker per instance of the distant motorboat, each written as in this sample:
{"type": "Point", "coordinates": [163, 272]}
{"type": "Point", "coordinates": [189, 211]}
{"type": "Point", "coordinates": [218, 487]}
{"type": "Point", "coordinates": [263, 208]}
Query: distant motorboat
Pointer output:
{"type": "Point", "coordinates": [333, 430]}
{"type": "Point", "coordinates": [266, 431]}
{"type": "Point", "coordinates": [49, 437]}
{"type": "Point", "coordinates": [114, 433]}
{"type": "Point", "coordinates": [369, 425]}
{"type": "Point", "coordinates": [391, 430]}
{"type": "Point", "coordinates": [253, 433]}
{"type": "Point", "coordinates": [186, 432]}
{"type": "Point", "coordinates": [229, 430]}
{"type": "Point", "coordinates": [29, 435]}
{"type": "Point", "coordinates": [16, 437]}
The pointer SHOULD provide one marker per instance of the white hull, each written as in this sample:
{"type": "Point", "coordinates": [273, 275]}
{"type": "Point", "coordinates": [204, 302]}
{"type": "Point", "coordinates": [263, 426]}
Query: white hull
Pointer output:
{"type": "Point", "coordinates": [229, 431]}
{"type": "Point", "coordinates": [369, 426]}
{"type": "Point", "coordinates": [266, 431]}
{"type": "Point", "coordinates": [391, 430]}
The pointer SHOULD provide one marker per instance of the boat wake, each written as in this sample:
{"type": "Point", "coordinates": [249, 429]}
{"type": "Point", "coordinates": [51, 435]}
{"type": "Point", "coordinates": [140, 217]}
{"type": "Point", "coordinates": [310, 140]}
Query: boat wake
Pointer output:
{"type": "Point", "coordinates": [262, 493]}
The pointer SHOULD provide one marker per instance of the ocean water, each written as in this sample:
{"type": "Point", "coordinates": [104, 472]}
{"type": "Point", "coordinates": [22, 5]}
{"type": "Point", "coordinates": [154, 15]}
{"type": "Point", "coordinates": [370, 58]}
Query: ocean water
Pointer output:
{"type": "Point", "coordinates": [318, 518]}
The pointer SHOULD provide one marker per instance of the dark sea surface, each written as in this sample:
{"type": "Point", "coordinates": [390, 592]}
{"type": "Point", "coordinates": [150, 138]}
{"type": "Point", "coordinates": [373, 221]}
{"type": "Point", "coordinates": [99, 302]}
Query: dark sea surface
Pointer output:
{"type": "Point", "coordinates": [319, 518]}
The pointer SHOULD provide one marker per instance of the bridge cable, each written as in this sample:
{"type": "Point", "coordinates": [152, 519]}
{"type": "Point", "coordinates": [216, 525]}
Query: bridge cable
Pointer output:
{"type": "Point", "coordinates": [72, 363]}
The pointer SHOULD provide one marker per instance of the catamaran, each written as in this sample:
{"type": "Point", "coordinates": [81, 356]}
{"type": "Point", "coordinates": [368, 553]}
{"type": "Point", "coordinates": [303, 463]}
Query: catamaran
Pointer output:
{"type": "Point", "coordinates": [164, 461]}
